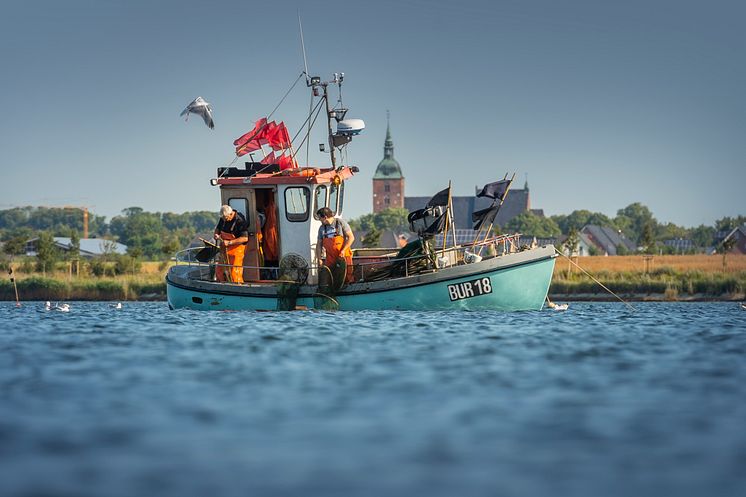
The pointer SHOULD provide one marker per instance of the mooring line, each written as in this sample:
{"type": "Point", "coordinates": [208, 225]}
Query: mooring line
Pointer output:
{"type": "Point", "coordinates": [594, 279]}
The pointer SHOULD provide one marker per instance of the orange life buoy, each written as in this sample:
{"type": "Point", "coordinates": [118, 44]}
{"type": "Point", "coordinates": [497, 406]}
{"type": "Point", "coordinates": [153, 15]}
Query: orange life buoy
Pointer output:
{"type": "Point", "coordinates": [306, 172]}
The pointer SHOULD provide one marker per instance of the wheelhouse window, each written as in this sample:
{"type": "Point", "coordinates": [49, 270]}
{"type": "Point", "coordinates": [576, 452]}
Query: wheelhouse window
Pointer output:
{"type": "Point", "coordinates": [241, 205]}
{"type": "Point", "coordinates": [297, 200]}
{"type": "Point", "coordinates": [336, 197]}
{"type": "Point", "coordinates": [320, 199]}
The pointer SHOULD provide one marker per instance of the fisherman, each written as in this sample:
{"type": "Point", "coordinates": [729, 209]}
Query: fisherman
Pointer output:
{"type": "Point", "coordinates": [233, 231]}
{"type": "Point", "coordinates": [336, 238]}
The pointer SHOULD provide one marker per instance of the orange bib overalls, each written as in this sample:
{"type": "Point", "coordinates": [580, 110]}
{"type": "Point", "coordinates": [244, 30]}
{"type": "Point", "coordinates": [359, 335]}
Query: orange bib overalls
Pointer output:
{"type": "Point", "coordinates": [234, 254]}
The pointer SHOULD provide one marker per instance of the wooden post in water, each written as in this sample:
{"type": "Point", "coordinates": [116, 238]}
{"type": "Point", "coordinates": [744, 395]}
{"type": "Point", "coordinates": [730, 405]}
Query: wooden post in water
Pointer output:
{"type": "Point", "coordinates": [13, 280]}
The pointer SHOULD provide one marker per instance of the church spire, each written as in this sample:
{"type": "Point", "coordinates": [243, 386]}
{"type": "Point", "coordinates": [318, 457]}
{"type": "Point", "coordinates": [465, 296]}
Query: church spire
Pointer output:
{"type": "Point", "coordinates": [388, 145]}
{"type": "Point", "coordinates": [388, 168]}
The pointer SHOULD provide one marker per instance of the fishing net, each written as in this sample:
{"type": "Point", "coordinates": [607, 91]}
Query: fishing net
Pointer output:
{"type": "Point", "coordinates": [415, 257]}
{"type": "Point", "coordinates": [331, 281]}
{"type": "Point", "coordinates": [293, 272]}
{"type": "Point", "coordinates": [287, 295]}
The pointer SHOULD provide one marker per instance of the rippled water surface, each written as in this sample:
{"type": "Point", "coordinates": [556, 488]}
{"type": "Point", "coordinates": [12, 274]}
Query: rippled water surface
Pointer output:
{"type": "Point", "coordinates": [593, 401]}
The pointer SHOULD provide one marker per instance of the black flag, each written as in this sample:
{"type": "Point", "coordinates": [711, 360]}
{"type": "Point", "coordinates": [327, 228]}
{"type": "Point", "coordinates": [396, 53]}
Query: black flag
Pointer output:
{"type": "Point", "coordinates": [438, 225]}
{"type": "Point", "coordinates": [495, 190]}
{"type": "Point", "coordinates": [439, 199]}
{"type": "Point", "coordinates": [485, 216]}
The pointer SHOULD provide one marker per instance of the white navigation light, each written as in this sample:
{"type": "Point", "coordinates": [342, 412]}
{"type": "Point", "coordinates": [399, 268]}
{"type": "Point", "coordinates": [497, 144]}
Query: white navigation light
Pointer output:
{"type": "Point", "coordinates": [350, 127]}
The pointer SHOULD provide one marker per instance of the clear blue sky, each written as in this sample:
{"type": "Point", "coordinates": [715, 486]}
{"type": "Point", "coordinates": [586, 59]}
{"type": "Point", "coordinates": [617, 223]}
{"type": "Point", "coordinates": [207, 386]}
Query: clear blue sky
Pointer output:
{"type": "Point", "coordinates": [601, 103]}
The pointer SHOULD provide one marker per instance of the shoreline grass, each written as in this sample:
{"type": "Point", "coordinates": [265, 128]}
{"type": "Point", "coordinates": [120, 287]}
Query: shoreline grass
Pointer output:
{"type": "Point", "coordinates": [126, 288]}
{"type": "Point", "coordinates": [672, 278]}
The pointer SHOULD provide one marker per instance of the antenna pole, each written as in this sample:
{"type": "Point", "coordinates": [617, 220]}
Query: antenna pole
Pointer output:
{"type": "Point", "coordinates": [329, 126]}
{"type": "Point", "coordinates": [308, 83]}
{"type": "Point", "coordinates": [303, 48]}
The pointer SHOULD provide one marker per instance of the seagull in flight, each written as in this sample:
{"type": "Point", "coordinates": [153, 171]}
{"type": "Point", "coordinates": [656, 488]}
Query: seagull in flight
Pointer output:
{"type": "Point", "coordinates": [201, 107]}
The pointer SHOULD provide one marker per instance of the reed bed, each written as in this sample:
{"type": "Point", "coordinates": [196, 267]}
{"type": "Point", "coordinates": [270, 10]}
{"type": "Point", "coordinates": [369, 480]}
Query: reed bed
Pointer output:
{"type": "Point", "coordinates": [665, 283]}
{"type": "Point", "coordinates": [84, 288]}
{"type": "Point", "coordinates": [639, 263]}
{"type": "Point", "coordinates": [672, 277]}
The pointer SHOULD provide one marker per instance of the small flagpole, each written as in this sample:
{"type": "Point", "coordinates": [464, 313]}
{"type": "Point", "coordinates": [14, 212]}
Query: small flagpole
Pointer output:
{"type": "Point", "coordinates": [502, 200]}
{"type": "Point", "coordinates": [448, 215]}
{"type": "Point", "coordinates": [479, 233]}
{"type": "Point", "coordinates": [453, 221]}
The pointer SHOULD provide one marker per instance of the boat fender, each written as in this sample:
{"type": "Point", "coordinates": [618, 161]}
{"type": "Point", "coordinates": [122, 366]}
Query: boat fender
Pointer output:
{"type": "Point", "coordinates": [306, 172]}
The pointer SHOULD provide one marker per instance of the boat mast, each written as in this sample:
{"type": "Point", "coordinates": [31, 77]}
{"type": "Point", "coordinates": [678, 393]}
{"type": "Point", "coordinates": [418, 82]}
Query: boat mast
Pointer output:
{"type": "Point", "coordinates": [325, 96]}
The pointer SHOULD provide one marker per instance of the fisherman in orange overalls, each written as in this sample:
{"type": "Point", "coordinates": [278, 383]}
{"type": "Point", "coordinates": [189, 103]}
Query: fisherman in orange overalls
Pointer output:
{"type": "Point", "coordinates": [336, 238]}
{"type": "Point", "coordinates": [233, 232]}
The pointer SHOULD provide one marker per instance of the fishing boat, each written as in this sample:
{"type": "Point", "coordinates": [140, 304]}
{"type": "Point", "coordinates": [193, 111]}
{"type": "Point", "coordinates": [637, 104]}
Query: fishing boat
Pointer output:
{"type": "Point", "coordinates": [279, 200]}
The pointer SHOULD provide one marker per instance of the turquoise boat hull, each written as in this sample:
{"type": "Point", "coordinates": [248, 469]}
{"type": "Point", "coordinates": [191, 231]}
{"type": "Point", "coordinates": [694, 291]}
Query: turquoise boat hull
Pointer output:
{"type": "Point", "coordinates": [509, 282]}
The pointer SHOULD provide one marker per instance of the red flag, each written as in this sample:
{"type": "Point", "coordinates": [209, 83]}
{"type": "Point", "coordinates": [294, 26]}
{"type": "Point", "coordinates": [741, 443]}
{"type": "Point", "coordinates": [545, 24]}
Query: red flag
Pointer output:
{"type": "Point", "coordinates": [270, 159]}
{"type": "Point", "coordinates": [251, 146]}
{"type": "Point", "coordinates": [270, 129]}
{"type": "Point", "coordinates": [279, 138]}
{"type": "Point", "coordinates": [286, 162]}
{"type": "Point", "coordinates": [256, 133]}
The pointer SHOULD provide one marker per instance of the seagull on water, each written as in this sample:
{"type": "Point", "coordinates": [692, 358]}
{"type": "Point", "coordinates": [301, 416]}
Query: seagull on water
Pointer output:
{"type": "Point", "coordinates": [557, 307]}
{"type": "Point", "coordinates": [62, 307]}
{"type": "Point", "coordinates": [201, 107]}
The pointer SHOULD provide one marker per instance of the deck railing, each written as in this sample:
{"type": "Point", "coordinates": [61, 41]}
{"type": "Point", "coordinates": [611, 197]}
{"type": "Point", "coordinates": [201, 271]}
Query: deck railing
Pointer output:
{"type": "Point", "coordinates": [367, 268]}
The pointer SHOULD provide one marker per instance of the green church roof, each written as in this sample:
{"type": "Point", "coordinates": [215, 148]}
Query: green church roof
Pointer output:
{"type": "Point", "coordinates": [388, 168]}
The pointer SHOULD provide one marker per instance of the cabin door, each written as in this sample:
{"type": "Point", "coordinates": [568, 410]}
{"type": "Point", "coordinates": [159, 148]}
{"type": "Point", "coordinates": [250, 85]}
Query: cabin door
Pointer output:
{"type": "Point", "coordinates": [244, 202]}
{"type": "Point", "coordinates": [266, 220]}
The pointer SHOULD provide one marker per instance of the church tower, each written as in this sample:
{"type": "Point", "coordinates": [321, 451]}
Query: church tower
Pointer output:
{"type": "Point", "coordinates": [388, 182]}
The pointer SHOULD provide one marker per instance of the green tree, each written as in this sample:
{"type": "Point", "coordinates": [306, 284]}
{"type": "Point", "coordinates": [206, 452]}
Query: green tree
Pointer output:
{"type": "Point", "coordinates": [372, 238]}
{"type": "Point", "coordinates": [47, 253]}
{"type": "Point", "coordinates": [171, 246]}
{"type": "Point", "coordinates": [579, 218]}
{"type": "Point", "coordinates": [570, 245]}
{"type": "Point", "coordinates": [633, 218]}
{"type": "Point", "coordinates": [139, 229]}
{"type": "Point", "coordinates": [15, 245]}
{"type": "Point", "coordinates": [528, 223]}
{"type": "Point", "coordinates": [725, 247]}
{"type": "Point", "coordinates": [702, 236]}
{"type": "Point", "coordinates": [729, 223]}
{"type": "Point", "coordinates": [671, 231]}
{"type": "Point", "coordinates": [74, 245]}
{"type": "Point", "coordinates": [388, 219]}
{"type": "Point", "coordinates": [135, 252]}
{"type": "Point", "coordinates": [622, 249]}
{"type": "Point", "coordinates": [647, 239]}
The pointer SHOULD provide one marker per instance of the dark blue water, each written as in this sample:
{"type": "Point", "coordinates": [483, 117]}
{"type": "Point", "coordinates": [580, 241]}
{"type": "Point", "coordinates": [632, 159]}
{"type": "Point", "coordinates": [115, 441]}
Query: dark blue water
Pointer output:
{"type": "Point", "coordinates": [595, 401]}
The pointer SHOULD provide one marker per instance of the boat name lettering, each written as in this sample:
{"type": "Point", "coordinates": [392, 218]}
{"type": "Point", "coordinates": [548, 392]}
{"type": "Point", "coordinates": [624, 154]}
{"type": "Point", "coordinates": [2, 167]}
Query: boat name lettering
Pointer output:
{"type": "Point", "coordinates": [467, 289]}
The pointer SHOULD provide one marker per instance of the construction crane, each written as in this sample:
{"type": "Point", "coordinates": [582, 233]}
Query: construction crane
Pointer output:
{"type": "Point", "coordinates": [84, 209]}
{"type": "Point", "coordinates": [85, 217]}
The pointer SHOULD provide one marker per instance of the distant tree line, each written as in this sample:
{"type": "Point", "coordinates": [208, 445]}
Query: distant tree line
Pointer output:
{"type": "Point", "coordinates": [158, 235]}
{"type": "Point", "coordinates": [635, 222]}
{"type": "Point", "coordinates": [151, 235]}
